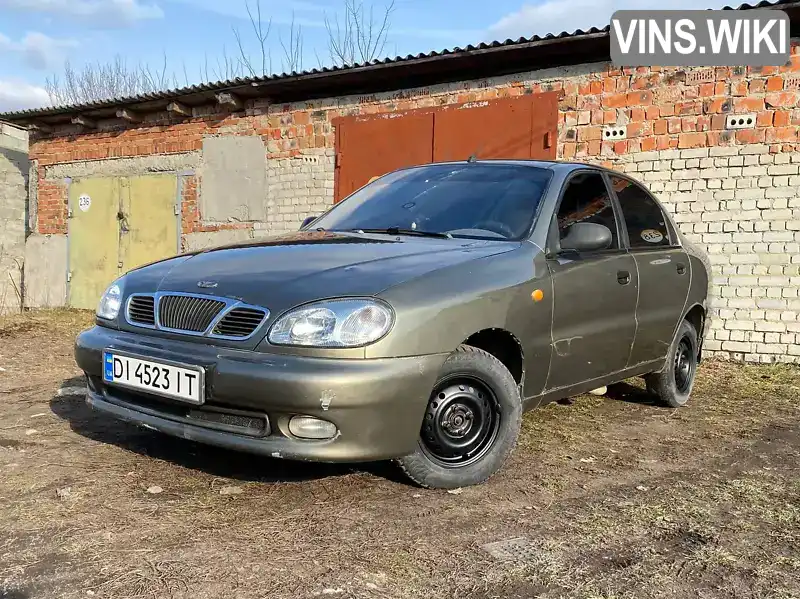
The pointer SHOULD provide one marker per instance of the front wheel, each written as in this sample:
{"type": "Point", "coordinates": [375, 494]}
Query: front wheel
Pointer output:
{"type": "Point", "coordinates": [471, 423]}
{"type": "Point", "coordinates": [674, 383]}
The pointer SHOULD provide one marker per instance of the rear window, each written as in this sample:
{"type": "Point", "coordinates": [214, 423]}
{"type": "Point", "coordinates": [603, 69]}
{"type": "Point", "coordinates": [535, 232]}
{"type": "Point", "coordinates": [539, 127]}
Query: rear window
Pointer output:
{"type": "Point", "coordinates": [493, 201]}
{"type": "Point", "coordinates": [644, 219]}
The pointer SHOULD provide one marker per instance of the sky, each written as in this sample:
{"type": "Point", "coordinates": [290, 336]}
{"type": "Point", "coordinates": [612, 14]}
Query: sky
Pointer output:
{"type": "Point", "coordinates": [193, 37]}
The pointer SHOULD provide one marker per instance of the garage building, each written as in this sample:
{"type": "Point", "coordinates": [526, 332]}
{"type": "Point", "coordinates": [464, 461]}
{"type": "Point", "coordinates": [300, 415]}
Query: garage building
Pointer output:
{"type": "Point", "coordinates": [119, 183]}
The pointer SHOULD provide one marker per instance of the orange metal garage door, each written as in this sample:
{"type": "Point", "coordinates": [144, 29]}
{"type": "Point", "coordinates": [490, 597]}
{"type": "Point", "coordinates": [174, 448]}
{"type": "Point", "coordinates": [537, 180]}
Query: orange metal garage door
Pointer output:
{"type": "Point", "coordinates": [378, 145]}
{"type": "Point", "coordinates": [368, 146]}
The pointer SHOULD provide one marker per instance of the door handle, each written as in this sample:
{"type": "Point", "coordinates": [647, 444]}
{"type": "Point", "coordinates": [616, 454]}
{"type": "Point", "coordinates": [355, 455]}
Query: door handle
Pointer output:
{"type": "Point", "coordinates": [681, 268]}
{"type": "Point", "coordinates": [623, 277]}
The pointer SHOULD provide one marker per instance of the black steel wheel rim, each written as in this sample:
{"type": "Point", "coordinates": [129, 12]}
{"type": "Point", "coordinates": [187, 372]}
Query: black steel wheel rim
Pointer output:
{"type": "Point", "coordinates": [461, 422]}
{"type": "Point", "coordinates": [684, 365]}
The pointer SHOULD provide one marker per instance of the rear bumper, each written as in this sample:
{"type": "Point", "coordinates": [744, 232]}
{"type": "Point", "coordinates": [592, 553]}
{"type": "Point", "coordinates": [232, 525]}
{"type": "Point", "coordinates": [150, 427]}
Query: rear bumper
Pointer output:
{"type": "Point", "coordinates": [376, 405]}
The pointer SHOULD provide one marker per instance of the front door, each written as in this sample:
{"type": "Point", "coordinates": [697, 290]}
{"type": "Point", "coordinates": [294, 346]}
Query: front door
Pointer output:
{"type": "Point", "coordinates": [663, 266]}
{"type": "Point", "coordinates": [594, 293]}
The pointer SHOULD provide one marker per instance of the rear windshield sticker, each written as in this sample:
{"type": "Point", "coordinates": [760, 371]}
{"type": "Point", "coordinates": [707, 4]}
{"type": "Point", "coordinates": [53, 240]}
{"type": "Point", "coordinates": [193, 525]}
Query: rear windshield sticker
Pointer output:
{"type": "Point", "coordinates": [652, 236]}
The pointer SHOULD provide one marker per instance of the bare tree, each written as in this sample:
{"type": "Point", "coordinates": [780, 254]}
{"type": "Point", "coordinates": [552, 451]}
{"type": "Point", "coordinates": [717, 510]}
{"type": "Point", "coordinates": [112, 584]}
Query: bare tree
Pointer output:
{"type": "Point", "coordinates": [293, 48]}
{"type": "Point", "coordinates": [261, 35]}
{"type": "Point", "coordinates": [360, 35]}
{"type": "Point", "coordinates": [104, 81]}
{"type": "Point", "coordinates": [225, 68]}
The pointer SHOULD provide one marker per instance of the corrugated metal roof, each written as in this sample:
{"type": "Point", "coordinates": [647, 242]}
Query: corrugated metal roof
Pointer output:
{"type": "Point", "coordinates": [328, 72]}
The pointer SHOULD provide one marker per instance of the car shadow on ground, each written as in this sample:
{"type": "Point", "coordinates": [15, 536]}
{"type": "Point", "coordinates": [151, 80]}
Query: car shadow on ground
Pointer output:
{"type": "Point", "coordinates": [629, 393]}
{"type": "Point", "coordinates": [197, 456]}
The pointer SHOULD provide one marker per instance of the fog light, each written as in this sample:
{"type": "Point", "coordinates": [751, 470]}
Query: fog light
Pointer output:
{"type": "Point", "coordinates": [307, 427]}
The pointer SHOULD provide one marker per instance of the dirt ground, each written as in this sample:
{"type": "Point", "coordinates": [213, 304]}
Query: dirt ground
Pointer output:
{"type": "Point", "coordinates": [607, 497]}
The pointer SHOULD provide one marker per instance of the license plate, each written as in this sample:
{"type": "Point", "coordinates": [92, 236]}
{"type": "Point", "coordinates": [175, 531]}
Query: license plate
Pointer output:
{"type": "Point", "coordinates": [177, 382]}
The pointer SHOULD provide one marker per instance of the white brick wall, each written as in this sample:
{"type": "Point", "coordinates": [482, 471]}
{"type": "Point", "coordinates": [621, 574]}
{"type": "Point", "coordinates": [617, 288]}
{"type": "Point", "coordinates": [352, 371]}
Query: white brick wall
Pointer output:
{"type": "Point", "coordinates": [298, 187]}
{"type": "Point", "coordinates": [742, 204]}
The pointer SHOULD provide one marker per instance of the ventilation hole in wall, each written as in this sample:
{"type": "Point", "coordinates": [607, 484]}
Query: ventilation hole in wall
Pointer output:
{"type": "Point", "coordinates": [614, 132]}
{"type": "Point", "coordinates": [741, 121]}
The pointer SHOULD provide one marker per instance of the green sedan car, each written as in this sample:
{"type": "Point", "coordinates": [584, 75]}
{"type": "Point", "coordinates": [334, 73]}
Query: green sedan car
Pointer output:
{"type": "Point", "coordinates": [416, 320]}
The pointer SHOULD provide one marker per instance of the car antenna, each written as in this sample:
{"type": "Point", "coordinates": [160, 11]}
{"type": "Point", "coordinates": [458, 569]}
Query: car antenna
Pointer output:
{"type": "Point", "coordinates": [474, 158]}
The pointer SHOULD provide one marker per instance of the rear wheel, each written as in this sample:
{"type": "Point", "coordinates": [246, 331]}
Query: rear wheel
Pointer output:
{"type": "Point", "coordinates": [674, 383]}
{"type": "Point", "coordinates": [471, 423]}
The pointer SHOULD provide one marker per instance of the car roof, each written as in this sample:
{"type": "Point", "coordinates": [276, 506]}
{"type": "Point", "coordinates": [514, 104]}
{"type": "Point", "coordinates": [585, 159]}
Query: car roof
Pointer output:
{"type": "Point", "coordinates": [562, 167]}
{"type": "Point", "coordinates": [555, 165]}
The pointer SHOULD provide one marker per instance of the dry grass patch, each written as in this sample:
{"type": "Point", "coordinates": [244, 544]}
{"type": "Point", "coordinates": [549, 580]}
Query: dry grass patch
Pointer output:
{"type": "Point", "coordinates": [617, 498]}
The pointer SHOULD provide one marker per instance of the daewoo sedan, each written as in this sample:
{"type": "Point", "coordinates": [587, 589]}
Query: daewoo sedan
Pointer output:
{"type": "Point", "coordinates": [416, 320]}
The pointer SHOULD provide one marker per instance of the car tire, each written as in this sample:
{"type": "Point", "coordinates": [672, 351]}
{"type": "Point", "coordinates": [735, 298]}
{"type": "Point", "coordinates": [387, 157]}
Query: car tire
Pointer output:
{"type": "Point", "coordinates": [471, 423]}
{"type": "Point", "coordinates": [674, 383]}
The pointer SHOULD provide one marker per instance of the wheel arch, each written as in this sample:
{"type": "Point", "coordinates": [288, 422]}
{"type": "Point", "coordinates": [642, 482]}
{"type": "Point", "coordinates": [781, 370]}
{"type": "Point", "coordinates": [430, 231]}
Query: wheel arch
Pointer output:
{"type": "Point", "coordinates": [503, 345]}
{"type": "Point", "coordinates": [696, 315]}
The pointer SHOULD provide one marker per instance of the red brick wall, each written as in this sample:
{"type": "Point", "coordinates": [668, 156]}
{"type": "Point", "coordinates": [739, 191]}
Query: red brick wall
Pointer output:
{"type": "Point", "coordinates": [52, 205]}
{"type": "Point", "coordinates": [662, 108]}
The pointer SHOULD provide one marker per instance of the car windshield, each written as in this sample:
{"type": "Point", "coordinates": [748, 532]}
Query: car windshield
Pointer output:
{"type": "Point", "coordinates": [489, 201]}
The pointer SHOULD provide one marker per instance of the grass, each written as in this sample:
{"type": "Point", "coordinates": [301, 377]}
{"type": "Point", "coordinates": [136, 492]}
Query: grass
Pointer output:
{"type": "Point", "coordinates": [57, 322]}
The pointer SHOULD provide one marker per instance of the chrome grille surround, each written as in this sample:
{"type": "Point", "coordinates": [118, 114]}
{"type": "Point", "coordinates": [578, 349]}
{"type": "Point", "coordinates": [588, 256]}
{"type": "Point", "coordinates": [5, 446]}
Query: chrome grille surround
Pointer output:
{"type": "Point", "coordinates": [192, 313]}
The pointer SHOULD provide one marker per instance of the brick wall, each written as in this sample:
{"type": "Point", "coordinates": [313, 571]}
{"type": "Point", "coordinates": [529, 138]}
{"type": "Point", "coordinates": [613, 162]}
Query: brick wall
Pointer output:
{"type": "Point", "coordinates": [733, 192]}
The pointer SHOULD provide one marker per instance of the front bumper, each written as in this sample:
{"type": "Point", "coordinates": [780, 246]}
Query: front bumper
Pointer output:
{"type": "Point", "coordinates": [376, 405]}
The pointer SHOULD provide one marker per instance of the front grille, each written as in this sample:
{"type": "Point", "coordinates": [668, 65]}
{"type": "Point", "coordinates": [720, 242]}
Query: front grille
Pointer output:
{"type": "Point", "coordinates": [187, 313]}
{"type": "Point", "coordinates": [209, 316]}
{"type": "Point", "coordinates": [141, 310]}
{"type": "Point", "coordinates": [239, 322]}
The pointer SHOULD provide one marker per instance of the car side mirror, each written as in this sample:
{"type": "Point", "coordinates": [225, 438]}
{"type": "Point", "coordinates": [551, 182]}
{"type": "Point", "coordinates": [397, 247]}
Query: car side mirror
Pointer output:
{"type": "Point", "coordinates": [587, 237]}
{"type": "Point", "coordinates": [307, 220]}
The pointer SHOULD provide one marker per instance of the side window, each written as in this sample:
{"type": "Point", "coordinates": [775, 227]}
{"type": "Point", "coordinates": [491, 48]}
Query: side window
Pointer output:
{"type": "Point", "coordinates": [586, 200]}
{"type": "Point", "coordinates": [644, 220]}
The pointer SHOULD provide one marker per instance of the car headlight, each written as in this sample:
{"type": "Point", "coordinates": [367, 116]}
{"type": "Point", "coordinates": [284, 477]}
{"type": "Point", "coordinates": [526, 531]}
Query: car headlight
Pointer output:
{"type": "Point", "coordinates": [111, 301]}
{"type": "Point", "coordinates": [333, 323]}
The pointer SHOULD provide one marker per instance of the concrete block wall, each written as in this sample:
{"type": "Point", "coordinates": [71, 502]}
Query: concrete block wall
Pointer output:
{"type": "Point", "coordinates": [14, 168]}
{"type": "Point", "coordinates": [676, 141]}
{"type": "Point", "coordinates": [46, 271]}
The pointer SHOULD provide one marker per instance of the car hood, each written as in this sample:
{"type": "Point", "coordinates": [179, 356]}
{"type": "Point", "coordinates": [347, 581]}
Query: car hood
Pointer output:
{"type": "Point", "coordinates": [281, 272]}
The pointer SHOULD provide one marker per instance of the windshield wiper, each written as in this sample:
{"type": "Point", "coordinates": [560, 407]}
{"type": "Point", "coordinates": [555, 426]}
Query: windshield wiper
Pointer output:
{"type": "Point", "coordinates": [398, 231]}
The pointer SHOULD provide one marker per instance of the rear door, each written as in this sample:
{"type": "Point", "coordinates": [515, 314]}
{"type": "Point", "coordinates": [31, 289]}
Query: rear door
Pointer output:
{"type": "Point", "coordinates": [594, 293]}
{"type": "Point", "coordinates": [663, 266]}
